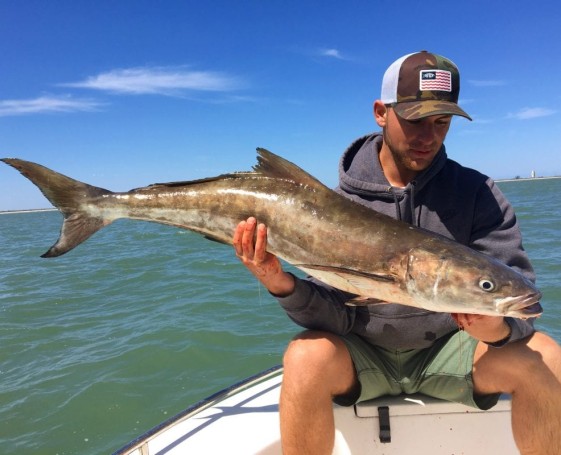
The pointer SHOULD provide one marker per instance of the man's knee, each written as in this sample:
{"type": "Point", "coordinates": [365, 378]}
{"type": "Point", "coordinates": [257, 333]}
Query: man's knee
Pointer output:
{"type": "Point", "coordinates": [522, 364]}
{"type": "Point", "coordinates": [313, 348]}
{"type": "Point", "coordinates": [536, 353]}
{"type": "Point", "coordinates": [320, 358]}
{"type": "Point", "coordinates": [548, 352]}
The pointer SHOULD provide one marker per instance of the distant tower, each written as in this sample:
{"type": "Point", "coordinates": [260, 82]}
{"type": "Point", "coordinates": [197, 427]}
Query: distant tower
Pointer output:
{"type": "Point", "coordinates": [533, 174]}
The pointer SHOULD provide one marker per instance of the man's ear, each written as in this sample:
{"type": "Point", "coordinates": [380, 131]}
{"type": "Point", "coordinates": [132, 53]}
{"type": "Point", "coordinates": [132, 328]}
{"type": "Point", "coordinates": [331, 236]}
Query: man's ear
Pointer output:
{"type": "Point", "coordinates": [380, 113]}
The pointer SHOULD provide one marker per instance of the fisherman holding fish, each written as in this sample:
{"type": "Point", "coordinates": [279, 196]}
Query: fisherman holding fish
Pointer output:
{"type": "Point", "coordinates": [431, 291]}
{"type": "Point", "coordinates": [353, 353]}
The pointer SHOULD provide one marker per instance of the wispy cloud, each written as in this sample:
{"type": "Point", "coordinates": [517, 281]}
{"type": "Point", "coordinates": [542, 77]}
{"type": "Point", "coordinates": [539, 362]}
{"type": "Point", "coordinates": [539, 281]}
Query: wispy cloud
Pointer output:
{"type": "Point", "coordinates": [171, 81]}
{"type": "Point", "coordinates": [47, 104]}
{"type": "Point", "coordinates": [332, 53]}
{"type": "Point", "coordinates": [532, 112]}
{"type": "Point", "coordinates": [486, 83]}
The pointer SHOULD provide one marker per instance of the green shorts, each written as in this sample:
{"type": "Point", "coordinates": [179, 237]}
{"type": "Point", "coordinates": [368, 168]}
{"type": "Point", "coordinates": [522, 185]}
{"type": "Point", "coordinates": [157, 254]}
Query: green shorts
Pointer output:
{"type": "Point", "coordinates": [443, 370]}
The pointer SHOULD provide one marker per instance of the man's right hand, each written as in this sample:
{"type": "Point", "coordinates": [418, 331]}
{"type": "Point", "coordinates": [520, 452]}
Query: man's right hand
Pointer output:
{"type": "Point", "coordinates": [250, 244]}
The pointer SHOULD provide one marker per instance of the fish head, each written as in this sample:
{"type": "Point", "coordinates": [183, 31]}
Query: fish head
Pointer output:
{"type": "Point", "coordinates": [461, 280]}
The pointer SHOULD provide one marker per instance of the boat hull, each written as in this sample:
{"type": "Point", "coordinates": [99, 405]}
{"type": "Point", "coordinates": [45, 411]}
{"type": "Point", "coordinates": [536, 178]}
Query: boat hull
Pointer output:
{"type": "Point", "coordinates": [244, 419]}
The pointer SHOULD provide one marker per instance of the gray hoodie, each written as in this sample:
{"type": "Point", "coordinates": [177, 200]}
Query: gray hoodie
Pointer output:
{"type": "Point", "coordinates": [446, 198]}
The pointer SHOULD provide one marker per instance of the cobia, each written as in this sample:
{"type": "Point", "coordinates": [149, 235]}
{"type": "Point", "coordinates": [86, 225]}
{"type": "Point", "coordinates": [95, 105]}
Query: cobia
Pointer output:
{"type": "Point", "coordinates": [330, 237]}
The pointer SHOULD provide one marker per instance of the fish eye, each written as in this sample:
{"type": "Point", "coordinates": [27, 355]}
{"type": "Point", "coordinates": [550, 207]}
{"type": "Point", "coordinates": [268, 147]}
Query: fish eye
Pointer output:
{"type": "Point", "coordinates": [486, 285]}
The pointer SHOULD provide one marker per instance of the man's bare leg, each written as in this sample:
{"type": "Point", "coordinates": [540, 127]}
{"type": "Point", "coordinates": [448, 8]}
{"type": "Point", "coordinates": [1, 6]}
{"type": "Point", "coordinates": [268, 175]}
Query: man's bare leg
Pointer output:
{"type": "Point", "coordinates": [317, 366]}
{"type": "Point", "coordinates": [530, 370]}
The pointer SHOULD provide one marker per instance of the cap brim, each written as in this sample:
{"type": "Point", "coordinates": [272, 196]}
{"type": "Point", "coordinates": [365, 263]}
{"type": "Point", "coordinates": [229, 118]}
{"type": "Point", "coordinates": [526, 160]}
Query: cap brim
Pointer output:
{"type": "Point", "coordinates": [414, 110]}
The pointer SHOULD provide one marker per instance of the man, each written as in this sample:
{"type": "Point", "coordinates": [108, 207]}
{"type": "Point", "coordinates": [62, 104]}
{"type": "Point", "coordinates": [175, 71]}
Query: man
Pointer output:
{"type": "Point", "coordinates": [351, 354]}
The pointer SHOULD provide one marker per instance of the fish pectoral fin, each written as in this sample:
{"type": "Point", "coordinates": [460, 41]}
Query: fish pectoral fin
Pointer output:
{"type": "Point", "coordinates": [348, 273]}
{"type": "Point", "coordinates": [363, 301]}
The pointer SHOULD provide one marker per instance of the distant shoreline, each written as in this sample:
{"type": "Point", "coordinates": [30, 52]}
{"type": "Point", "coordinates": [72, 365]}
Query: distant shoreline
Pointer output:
{"type": "Point", "coordinates": [523, 179]}
{"type": "Point", "coordinates": [7, 212]}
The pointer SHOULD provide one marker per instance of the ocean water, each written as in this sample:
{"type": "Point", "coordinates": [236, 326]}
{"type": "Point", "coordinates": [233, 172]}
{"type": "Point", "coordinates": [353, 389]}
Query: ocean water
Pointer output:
{"type": "Point", "coordinates": [143, 320]}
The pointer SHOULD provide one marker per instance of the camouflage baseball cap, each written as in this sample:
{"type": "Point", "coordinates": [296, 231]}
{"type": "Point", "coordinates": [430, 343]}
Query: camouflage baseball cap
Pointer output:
{"type": "Point", "coordinates": [422, 84]}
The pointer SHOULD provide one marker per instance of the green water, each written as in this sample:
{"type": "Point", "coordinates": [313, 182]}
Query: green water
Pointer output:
{"type": "Point", "coordinates": [143, 320]}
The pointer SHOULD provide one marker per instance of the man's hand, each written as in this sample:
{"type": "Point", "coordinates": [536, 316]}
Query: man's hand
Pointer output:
{"type": "Point", "coordinates": [489, 329]}
{"type": "Point", "coordinates": [250, 244]}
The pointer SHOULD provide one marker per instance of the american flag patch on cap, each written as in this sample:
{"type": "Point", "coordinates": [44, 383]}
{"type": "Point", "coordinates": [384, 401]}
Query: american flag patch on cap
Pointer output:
{"type": "Point", "coordinates": [435, 80]}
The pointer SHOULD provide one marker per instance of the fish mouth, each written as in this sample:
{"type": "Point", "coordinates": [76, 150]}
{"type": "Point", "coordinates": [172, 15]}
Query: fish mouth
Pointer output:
{"type": "Point", "coordinates": [523, 307]}
{"type": "Point", "coordinates": [534, 310]}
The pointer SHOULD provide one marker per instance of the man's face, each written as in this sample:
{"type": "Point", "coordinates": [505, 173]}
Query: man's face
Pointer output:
{"type": "Point", "coordinates": [414, 143]}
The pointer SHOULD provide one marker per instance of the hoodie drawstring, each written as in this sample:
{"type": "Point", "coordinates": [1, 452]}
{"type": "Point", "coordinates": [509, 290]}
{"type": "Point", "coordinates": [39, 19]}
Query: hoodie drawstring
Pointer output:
{"type": "Point", "coordinates": [396, 203]}
{"type": "Point", "coordinates": [412, 203]}
{"type": "Point", "coordinates": [411, 191]}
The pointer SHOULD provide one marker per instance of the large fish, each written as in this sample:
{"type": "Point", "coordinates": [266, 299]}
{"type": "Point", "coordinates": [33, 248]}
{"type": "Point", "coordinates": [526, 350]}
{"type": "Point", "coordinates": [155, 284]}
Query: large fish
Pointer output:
{"type": "Point", "coordinates": [340, 242]}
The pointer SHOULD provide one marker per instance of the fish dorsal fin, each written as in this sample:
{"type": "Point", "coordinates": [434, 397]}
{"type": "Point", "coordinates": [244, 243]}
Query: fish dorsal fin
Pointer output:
{"type": "Point", "coordinates": [268, 165]}
{"type": "Point", "coordinates": [271, 165]}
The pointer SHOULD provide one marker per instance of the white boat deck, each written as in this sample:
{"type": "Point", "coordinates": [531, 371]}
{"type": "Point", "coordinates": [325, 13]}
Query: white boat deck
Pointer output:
{"type": "Point", "coordinates": [244, 420]}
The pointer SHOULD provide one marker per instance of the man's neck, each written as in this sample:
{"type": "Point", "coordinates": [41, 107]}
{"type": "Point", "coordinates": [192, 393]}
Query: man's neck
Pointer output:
{"type": "Point", "coordinates": [396, 175]}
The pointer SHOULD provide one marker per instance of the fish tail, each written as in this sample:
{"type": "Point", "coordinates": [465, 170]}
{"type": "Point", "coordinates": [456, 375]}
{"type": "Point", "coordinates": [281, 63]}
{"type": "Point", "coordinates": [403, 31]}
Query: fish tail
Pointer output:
{"type": "Point", "coordinates": [69, 196]}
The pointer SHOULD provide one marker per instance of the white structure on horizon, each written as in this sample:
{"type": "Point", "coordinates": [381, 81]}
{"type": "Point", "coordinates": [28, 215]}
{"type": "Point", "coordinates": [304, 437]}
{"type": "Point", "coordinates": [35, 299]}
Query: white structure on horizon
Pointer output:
{"type": "Point", "coordinates": [533, 174]}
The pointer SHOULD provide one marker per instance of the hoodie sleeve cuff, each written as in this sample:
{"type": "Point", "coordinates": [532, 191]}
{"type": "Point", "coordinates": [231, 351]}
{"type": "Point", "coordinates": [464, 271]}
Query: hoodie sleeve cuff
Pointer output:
{"type": "Point", "coordinates": [299, 297]}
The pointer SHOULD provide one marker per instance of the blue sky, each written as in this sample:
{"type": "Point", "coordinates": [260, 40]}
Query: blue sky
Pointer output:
{"type": "Point", "coordinates": [122, 94]}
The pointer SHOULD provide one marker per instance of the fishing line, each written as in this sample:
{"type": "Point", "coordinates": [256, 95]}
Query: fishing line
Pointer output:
{"type": "Point", "coordinates": [259, 285]}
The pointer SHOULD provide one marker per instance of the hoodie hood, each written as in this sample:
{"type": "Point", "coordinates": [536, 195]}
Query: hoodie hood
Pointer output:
{"type": "Point", "coordinates": [360, 171]}
{"type": "Point", "coordinates": [361, 176]}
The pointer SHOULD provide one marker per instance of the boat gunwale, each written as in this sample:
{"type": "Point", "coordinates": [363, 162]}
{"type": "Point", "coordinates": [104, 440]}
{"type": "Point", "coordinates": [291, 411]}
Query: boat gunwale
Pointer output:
{"type": "Point", "coordinates": [198, 407]}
